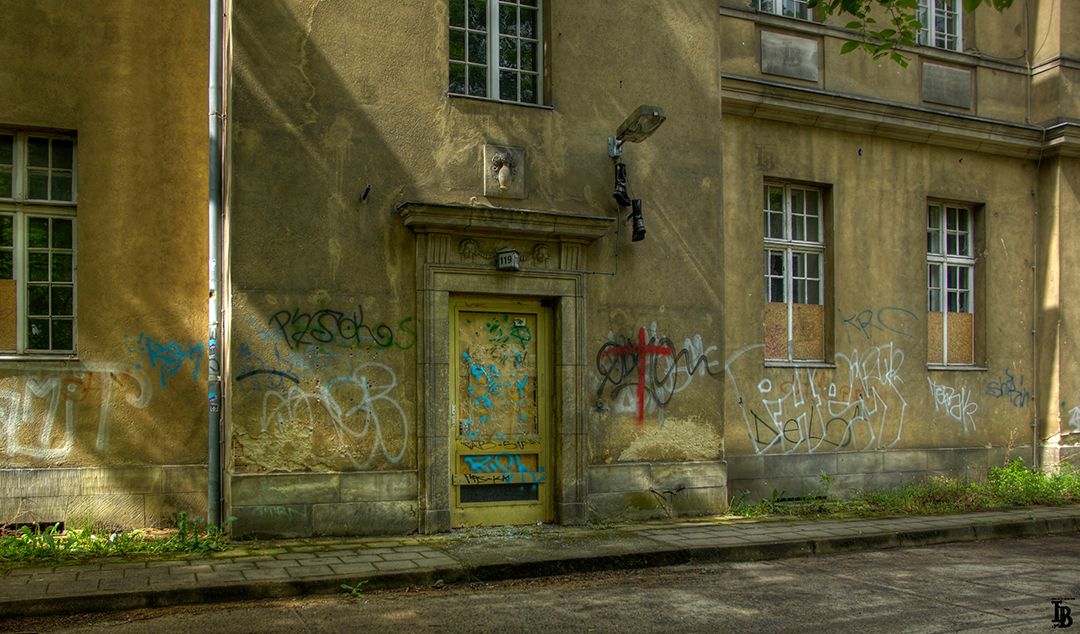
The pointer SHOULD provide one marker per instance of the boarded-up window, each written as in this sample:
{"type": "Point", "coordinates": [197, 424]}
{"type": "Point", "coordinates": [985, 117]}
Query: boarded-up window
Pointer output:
{"type": "Point", "coordinates": [794, 316]}
{"type": "Point", "coordinates": [950, 265]}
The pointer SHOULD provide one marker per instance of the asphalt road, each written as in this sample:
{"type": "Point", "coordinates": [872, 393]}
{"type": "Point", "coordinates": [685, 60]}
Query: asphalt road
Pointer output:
{"type": "Point", "coordinates": [1002, 586]}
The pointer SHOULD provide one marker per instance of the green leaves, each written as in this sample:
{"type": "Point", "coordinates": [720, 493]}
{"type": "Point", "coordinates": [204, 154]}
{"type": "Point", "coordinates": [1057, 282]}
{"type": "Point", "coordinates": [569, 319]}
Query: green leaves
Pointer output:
{"type": "Point", "coordinates": [901, 16]}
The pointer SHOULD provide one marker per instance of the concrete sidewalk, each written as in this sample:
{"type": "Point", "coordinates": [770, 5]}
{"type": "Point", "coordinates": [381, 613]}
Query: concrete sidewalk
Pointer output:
{"type": "Point", "coordinates": [290, 568]}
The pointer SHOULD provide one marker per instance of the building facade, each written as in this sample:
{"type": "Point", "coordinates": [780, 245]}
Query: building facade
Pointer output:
{"type": "Point", "coordinates": [103, 257]}
{"type": "Point", "coordinates": [436, 314]}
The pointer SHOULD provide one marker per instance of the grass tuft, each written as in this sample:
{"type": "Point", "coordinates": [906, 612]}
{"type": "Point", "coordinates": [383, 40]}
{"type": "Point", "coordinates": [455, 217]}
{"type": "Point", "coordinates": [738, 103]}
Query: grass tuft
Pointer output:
{"type": "Point", "coordinates": [1013, 485]}
{"type": "Point", "coordinates": [29, 545]}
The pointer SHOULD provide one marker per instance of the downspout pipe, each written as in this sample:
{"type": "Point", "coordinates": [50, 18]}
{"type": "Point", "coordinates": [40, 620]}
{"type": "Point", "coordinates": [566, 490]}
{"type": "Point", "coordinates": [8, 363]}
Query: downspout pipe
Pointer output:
{"type": "Point", "coordinates": [213, 497]}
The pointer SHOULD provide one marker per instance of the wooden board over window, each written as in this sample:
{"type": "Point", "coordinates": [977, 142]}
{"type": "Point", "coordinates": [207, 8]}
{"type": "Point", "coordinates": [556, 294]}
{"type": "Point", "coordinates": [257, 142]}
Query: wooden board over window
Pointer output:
{"type": "Point", "coordinates": [807, 332]}
{"type": "Point", "coordinates": [775, 331]}
{"type": "Point", "coordinates": [961, 329]}
{"type": "Point", "coordinates": [935, 348]}
{"type": "Point", "coordinates": [8, 319]}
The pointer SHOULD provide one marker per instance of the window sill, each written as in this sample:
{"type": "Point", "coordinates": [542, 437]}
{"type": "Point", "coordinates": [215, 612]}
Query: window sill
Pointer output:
{"type": "Point", "coordinates": [65, 359]}
{"type": "Point", "coordinates": [937, 367]}
{"type": "Point", "coordinates": [779, 363]}
{"type": "Point", "coordinates": [537, 106]}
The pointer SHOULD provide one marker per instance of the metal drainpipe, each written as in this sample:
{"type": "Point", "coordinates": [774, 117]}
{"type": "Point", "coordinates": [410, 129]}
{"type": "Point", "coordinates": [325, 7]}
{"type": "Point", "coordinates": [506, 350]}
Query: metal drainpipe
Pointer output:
{"type": "Point", "coordinates": [213, 498]}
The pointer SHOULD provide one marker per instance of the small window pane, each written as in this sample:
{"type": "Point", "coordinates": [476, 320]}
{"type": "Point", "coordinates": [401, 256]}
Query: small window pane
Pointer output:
{"type": "Point", "coordinates": [528, 89]}
{"type": "Point", "coordinates": [37, 152]}
{"type": "Point", "coordinates": [62, 301]}
{"type": "Point", "coordinates": [528, 24]}
{"type": "Point", "coordinates": [457, 78]}
{"type": "Point", "coordinates": [62, 269]}
{"type": "Point", "coordinates": [37, 299]}
{"type": "Point", "coordinates": [507, 19]}
{"type": "Point", "coordinates": [798, 201]}
{"type": "Point", "coordinates": [6, 265]}
{"type": "Point", "coordinates": [478, 48]}
{"type": "Point", "coordinates": [776, 263]}
{"type": "Point", "coordinates": [528, 56]}
{"type": "Point", "coordinates": [61, 233]}
{"type": "Point", "coordinates": [5, 182]}
{"type": "Point", "coordinates": [478, 81]}
{"type": "Point", "coordinates": [457, 12]}
{"type": "Point", "coordinates": [798, 288]}
{"type": "Point", "coordinates": [62, 154]}
{"type": "Point", "coordinates": [38, 233]}
{"type": "Point", "coordinates": [798, 265]}
{"type": "Point", "coordinates": [478, 15]}
{"type": "Point", "coordinates": [39, 266]}
{"type": "Point", "coordinates": [775, 198]}
{"type": "Point", "coordinates": [935, 217]}
{"type": "Point", "coordinates": [37, 185]}
{"type": "Point", "coordinates": [774, 225]}
{"type": "Point", "coordinates": [7, 149]}
{"type": "Point", "coordinates": [961, 278]}
{"type": "Point", "coordinates": [812, 233]}
{"type": "Point", "coordinates": [61, 187]}
{"type": "Point", "coordinates": [457, 45]}
{"type": "Point", "coordinates": [813, 291]}
{"type": "Point", "coordinates": [7, 231]}
{"type": "Point", "coordinates": [508, 85]}
{"type": "Point", "coordinates": [63, 334]}
{"type": "Point", "coordinates": [508, 52]}
{"type": "Point", "coordinates": [37, 331]}
{"type": "Point", "coordinates": [934, 300]}
{"type": "Point", "coordinates": [798, 227]}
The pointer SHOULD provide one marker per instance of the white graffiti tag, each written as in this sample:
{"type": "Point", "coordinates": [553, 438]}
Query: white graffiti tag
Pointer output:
{"type": "Point", "coordinates": [857, 406]}
{"type": "Point", "coordinates": [956, 404]}
{"type": "Point", "coordinates": [42, 407]}
{"type": "Point", "coordinates": [360, 405]}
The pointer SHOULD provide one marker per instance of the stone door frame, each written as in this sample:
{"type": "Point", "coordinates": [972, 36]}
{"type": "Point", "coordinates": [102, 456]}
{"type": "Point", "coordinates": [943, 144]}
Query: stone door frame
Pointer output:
{"type": "Point", "coordinates": [454, 255]}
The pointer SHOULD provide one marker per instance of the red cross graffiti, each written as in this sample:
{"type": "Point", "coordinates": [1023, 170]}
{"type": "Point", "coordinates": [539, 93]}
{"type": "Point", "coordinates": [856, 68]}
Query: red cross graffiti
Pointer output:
{"type": "Point", "coordinates": [641, 350]}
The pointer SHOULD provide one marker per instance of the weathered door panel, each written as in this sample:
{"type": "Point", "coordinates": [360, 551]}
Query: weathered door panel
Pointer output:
{"type": "Point", "coordinates": [501, 448]}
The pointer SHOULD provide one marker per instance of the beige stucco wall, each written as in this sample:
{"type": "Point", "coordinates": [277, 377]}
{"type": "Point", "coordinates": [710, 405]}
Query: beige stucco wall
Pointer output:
{"type": "Point", "coordinates": [328, 100]}
{"type": "Point", "coordinates": [341, 127]}
{"type": "Point", "coordinates": [995, 60]}
{"type": "Point", "coordinates": [128, 80]}
{"type": "Point", "coordinates": [1059, 400]}
{"type": "Point", "coordinates": [878, 333]}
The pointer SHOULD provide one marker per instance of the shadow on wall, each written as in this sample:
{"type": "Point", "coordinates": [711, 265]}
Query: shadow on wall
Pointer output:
{"type": "Point", "coordinates": [322, 325]}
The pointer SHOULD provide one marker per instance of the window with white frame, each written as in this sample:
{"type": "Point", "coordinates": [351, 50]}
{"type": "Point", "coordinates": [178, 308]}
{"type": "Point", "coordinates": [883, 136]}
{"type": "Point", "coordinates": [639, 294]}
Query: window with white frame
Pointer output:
{"type": "Point", "coordinates": [789, 8]}
{"type": "Point", "coordinates": [37, 243]}
{"type": "Point", "coordinates": [941, 24]}
{"type": "Point", "coordinates": [794, 273]}
{"type": "Point", "coordinates": [950, 263]}
{"type": "Point", "coordinates": [496, 49]}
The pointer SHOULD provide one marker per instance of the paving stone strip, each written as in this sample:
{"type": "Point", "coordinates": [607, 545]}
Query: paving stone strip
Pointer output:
{"type": "Point", "coordinates": [320, 566]}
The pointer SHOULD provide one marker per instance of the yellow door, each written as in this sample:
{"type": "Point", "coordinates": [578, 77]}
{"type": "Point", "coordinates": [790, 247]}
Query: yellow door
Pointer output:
{"type": "Point", "coordinates": [501, 450]}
